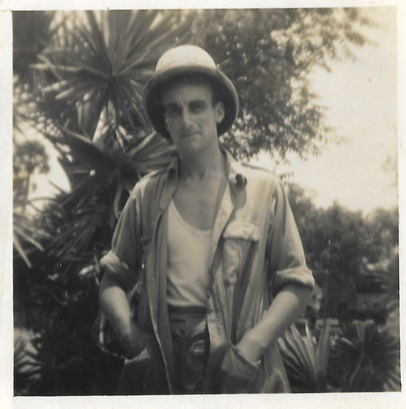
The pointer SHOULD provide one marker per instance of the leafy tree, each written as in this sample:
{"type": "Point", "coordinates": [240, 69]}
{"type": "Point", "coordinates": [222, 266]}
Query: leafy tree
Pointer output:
{"type": "Point", "coordinates": [268, 55]}
{"type": "Point", "coordinates": [383, 232]}
{"type": "Point", "coordinates": [346, 250]}
{"type": "Point", "coordinates": [28, 157]}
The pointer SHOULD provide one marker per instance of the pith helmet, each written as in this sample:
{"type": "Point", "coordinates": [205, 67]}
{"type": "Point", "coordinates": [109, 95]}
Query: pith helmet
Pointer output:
{"type": "Point", "coordinates": [179, 62]}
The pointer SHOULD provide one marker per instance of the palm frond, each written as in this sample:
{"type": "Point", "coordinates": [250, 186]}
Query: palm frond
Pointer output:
{"type": "Point", "coordinates": [324, 347]}
{"type": "Point", "coordinates": [26, 235]}
{"type": "Point", "coordinates": [366, 358]}
{"type": "Point", "coordinates": [27, 369]}
{"type": "Point", "coordinates": [115, 53]}
{"type": "Point", "coordinates": [306, 361]}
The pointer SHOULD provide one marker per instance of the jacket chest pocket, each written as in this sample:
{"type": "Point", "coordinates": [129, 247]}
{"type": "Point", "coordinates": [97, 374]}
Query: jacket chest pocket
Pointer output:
{"type": "Point", "coordinates": [239, 239]}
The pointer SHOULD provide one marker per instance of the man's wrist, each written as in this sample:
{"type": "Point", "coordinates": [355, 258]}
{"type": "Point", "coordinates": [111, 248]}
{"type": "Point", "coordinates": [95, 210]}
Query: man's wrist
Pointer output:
{"type": "Point", "coordinates": [124, 330]}
{"type": "Point", "coordinates": [251, 347]}
{"type": "Point", "coordinates": [135, 340]}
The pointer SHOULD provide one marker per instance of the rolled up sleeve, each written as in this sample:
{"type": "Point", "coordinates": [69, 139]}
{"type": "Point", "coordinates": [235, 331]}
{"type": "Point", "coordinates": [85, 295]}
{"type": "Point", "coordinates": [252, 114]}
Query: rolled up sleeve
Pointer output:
{"type": "Point", "coordinates": [285, 250]}
{"type": "Point", "coordinates": [123, 261]}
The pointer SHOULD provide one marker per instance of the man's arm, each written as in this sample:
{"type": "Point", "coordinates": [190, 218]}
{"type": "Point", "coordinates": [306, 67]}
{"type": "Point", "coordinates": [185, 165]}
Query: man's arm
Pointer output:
{"type": "Point", "coordinates": [115, 305]}
{"type": "Point", "coordinates": [291, 280]}
{"type": "Point", "coordinates": [122, 265]}
{"type": "Point", "coordinates": [287, 305]}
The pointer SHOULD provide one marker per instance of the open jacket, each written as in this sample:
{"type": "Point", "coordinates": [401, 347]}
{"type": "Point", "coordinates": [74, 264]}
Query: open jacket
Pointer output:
{"type": "Point", "coordinates": [255, 250]}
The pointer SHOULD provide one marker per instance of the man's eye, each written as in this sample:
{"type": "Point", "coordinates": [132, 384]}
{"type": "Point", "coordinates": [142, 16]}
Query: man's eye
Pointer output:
{"type": "Point", "coordinates": [197, 107]}
{"type": "Point", "coordinates": [172, 112]}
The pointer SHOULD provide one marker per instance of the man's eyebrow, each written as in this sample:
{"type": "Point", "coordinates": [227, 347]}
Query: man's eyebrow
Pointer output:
{"type": "Point", "coordinates": [171, 105]}
{"type": "Point", "coordinates": [197, 100]}
{"type": "Point", "coordinates": [175, 105]}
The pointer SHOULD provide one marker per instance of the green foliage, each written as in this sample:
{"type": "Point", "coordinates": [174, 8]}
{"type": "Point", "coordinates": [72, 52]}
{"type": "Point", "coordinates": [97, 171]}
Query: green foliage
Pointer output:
{"type": "Point", "coordinates": [342, 245]}
{"type": "Point", "coordinates": [93, 72]}
{"type": "Point", "coordinates": [365, 358]}
{"type": "Point", "coordinates": [59, 306]}
{"type": "Point", "coordinates": [29, 157]}
{"type": "Point", "coordinates": [105, 63]}
{"type": "Point", "coordinates": [362, 357]}
{"type": "Point", "coordinates": [26, 236]}
{"type": "Point", "coordinates": [268, 55]}
{"type": "Point", "coordinates": [305, 361]}
{"type": "Point", "coordinates": [26, 365]}
{"type": "Point", "coordinates": [57, 299]}
{"type": "Point", "coordinates": [383, 232]}
{"type": "Point", "coordinates": [32, 33]}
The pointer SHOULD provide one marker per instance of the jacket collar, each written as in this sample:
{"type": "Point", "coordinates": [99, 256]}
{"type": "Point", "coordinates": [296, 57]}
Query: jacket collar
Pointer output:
{"type": "Point", "coordinates": [236, 172]}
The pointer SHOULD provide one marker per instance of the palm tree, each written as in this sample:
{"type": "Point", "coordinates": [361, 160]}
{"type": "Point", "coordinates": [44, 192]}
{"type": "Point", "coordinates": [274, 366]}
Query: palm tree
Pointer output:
{"type": "Point", "coordinates": [365, 358]}
{"type": "Point", "coordinates": [86, 92]}
{"type": "Point", "coordinates": [31, 33]}
{"type": "Point", "coordinates": [305, 359]}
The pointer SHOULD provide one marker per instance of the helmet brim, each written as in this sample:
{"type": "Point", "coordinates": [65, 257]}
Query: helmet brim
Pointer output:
{"type": "Point", "coordinates": [225, 88]}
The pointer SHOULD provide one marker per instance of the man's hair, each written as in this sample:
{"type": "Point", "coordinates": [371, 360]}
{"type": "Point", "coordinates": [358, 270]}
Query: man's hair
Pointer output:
{"type": "Point", "coordinates": [196, 79]}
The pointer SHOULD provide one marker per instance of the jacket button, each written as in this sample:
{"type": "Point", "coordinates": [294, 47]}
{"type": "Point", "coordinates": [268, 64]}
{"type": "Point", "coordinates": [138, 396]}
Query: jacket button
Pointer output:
{"type": "Point", "coordinates": [240, 180]}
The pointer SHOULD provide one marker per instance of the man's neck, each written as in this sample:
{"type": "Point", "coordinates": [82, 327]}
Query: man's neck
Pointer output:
{"type": "Point", "coordinates": [205, 165]}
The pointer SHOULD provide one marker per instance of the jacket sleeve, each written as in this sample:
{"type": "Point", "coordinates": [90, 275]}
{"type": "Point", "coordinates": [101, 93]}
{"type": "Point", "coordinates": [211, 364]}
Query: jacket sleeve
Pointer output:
{"type": "Point", "coordinates": [286, 257]}
{"type": "Point", "coordinates": [123, 261]}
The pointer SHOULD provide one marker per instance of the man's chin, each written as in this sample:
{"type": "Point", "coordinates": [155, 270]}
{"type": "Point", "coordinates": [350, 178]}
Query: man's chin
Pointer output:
{"type": "Point", "coordinates": [188, 135]}
{"type": "Point", "coordinates": [190, 148]}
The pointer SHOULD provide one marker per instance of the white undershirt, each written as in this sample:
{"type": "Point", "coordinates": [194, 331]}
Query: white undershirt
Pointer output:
{"type": "Point", "coordinates": [188, 262]}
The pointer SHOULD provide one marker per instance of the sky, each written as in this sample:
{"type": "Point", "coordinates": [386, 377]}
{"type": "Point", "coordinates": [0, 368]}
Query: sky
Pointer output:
{"type": "Point", "coordinates": [360, 97]}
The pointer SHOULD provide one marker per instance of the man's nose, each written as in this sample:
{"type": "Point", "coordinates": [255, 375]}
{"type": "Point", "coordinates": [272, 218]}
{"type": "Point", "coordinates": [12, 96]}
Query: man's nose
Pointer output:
{"type": "Point", "coordinates": [186, 118]}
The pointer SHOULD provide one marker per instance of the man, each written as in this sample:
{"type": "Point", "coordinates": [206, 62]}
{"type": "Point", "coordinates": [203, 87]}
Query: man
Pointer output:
{"type": "Point", "coordinates": [212, 246]}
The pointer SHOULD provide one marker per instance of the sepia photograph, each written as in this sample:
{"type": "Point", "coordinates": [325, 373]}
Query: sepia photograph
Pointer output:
{"type": "Point", "coordinates": [205, 202]}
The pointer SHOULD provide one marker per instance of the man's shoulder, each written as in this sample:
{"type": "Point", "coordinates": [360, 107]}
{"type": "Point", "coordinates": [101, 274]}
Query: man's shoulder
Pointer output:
{"type": "Point", "coordinates": [259, 173]}
{"type": "Point", "coordinates": [152, 176]}
{"type": "Point", "coordinates": [149, 181]}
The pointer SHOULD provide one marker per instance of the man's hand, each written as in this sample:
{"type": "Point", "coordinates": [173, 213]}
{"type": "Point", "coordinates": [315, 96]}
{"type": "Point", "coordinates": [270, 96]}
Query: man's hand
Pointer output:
{"type": "Point", "coordinates": [287, 305]}
{"type": "Point", "coordinates": [134, 340]}
{"type": "Point", "coordinates": [115, 305]}
{"type": "Point", "coordinates": [250, 349]}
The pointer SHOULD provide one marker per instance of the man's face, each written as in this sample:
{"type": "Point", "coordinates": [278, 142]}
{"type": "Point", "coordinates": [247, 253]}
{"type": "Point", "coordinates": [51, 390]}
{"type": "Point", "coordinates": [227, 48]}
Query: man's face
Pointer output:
{"type": "Point", "coordinates": [191, 117]}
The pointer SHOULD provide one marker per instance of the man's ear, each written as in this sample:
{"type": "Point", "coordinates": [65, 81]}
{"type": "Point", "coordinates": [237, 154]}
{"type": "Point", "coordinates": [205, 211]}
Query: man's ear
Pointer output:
{"type": "Point", "coordinates": [219, 111]}
{"type": "Point", "coordinates": [165, 122]}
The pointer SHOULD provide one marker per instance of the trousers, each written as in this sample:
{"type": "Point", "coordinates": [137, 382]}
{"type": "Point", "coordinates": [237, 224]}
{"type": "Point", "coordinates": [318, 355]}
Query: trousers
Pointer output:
{"type": "Point", "coordinates": [191, 344]}
{"type": "Point", "coordinates": [145, 374]}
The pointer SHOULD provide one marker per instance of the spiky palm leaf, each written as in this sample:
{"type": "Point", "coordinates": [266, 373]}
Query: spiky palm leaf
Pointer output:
{"type": "Point", "coordinates": [88, 105]}
{"type": "Point", "coordinates": [27, 369]}
{"type": "Point", "coordinates": [306, 361]}
{"type": "Point", "coordinates": [94, 72]}
{"type": "Point", "coordinates": [95, 75]}
{"type": "Point", "coordinates": [105, 63]}
{"type": "Point", "coordinates": [366, 358]}
{"type": "Point", "coordinates": [26, 232]}
{"type": "Point", "coordinates": [100, 188]}
{"type": "Point", "coordinates": [29, 157]}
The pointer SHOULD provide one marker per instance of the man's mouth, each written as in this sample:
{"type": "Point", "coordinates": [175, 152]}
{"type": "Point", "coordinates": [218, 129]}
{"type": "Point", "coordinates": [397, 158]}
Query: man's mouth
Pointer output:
{"type": "Point", "coordinates": [187, 134]}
